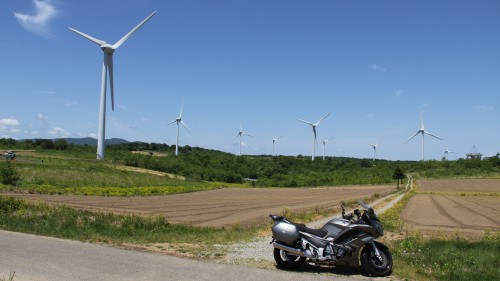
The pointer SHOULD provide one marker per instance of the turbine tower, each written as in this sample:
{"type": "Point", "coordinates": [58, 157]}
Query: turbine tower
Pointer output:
{"type": "Point", "coordinates": [314, 125]}
{"type": "Point", "coordinates": [240, 134]}
{"type": "Point", "coordinates": [274, 140]}
{"type": "Point", "coordinates": [374, 146]}
{"type": "Point", "coordinates": [324, 145]}
{"type": "Point", "coordinates": [423, 132]}
{"type": "Point", "coordinates": [107, 69]}
{"type": "Point", "coordinates": [179, 121]}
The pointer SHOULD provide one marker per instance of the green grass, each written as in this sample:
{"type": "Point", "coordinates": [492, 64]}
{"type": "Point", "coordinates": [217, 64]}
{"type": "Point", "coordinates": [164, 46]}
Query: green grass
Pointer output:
{"type": "Point", "coordinates": [59, 175]}
{"type": "Point", "coordinates": [418, 258]}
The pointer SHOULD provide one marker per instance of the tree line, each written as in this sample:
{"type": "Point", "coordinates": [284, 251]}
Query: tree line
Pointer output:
{"type": "Point", "coordinates": [266, 170]}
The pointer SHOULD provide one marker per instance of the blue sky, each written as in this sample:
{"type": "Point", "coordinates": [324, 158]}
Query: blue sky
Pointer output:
{"type": "Point", "coordinates": [376, 65]}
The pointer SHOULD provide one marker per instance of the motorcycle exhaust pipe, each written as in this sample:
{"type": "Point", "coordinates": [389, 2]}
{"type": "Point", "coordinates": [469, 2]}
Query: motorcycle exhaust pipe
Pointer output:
{"type": "Point", "coordinates": [291, 250]}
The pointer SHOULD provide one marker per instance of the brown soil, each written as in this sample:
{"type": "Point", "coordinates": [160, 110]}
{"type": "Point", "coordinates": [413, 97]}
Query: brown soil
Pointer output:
{"type": "Point", "coordinates": [452, 211]}
{"type": "Point", "coordinates": [461, 185]}
{"type": "Point", "coordinates": [221, 207]}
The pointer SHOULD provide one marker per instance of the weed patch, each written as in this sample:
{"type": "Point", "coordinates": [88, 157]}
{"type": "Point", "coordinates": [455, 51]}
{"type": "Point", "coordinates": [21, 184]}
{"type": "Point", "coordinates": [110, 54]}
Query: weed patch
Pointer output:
{"type": "Point", "coordinates": [417, 258]}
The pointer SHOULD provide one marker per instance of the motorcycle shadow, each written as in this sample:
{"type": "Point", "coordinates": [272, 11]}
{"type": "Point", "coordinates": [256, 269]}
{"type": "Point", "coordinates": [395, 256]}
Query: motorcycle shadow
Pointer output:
{"type": "Point", "coordinates": [338, 270]}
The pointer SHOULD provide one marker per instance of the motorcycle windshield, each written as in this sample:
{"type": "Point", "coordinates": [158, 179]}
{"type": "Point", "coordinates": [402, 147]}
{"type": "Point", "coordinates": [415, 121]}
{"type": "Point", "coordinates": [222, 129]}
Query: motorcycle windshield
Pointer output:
{"type": "Point", "coordinates": [369, 210]}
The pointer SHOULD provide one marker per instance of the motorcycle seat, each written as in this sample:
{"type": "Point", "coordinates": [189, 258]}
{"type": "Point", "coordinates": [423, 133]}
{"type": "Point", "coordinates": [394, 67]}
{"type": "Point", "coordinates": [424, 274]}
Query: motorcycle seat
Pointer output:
{"type": "Point", "coordinates": [316, 232]}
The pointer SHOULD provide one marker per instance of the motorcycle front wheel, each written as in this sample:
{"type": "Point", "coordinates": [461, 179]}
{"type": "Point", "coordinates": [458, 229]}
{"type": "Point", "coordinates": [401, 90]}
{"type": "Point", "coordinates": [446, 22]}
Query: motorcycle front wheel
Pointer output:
{"type": "Point", "coordinates": [286, 260]}
{"type": "Point", "coordinates": [375, 267]}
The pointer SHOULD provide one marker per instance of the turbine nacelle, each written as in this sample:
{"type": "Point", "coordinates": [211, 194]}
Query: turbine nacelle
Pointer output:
{"type": "Point", "coordinates": [108, 49]}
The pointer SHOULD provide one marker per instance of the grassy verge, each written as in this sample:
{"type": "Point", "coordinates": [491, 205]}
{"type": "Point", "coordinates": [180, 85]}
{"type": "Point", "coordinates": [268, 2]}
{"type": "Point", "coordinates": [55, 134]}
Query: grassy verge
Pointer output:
{"type": "Point", "coordinates": [391, 219]}
{"type": "Point", "coordinates": [418, 258]}
{"type": "Point", "coordinates": [65, 222]}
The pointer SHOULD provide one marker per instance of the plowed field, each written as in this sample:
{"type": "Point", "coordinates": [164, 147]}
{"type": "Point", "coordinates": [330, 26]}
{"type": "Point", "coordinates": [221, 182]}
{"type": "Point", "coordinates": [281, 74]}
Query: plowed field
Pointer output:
{"type": "Point", "coordinates": [220, 207]}
{"type": "Point", "coordinates": [453, 211]}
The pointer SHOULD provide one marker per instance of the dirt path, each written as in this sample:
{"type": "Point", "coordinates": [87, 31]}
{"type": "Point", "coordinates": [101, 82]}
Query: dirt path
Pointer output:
{"type": "Point", "coordinates": [221, 207]}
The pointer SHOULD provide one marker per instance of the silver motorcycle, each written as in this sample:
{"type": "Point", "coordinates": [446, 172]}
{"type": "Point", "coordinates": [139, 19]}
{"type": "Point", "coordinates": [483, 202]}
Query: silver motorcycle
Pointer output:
{"type": "Point", "coordinates": [347, 241]}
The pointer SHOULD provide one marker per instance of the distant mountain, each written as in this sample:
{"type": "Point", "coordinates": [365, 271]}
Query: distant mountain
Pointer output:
{"type": "Point", "coordinates": [92, 141]}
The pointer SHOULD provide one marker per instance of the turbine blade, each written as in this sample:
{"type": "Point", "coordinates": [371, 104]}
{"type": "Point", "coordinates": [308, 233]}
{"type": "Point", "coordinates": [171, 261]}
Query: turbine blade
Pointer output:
{"type": "Point", "coordinates": [411, 137]}
{"type": "Point", "coordinates": [421, 122]}
{"type": "Point", "coordinates": [171, 122]}
{"type": "Point", "coordinates": [109, 66]}
{"type": "Point", "coordinates": [183, 124]}
{"type": "Point", "coordinates": [247, 135]}
{"type": "Point", "coordinates": [425, 132]}
{"type": "Point", "coordinates": [124, 38]}
{"type": "Point", "coordinates": [315, 137]}
{"type": "Point", "coordinates": [308, 123]}
{"type": "Point", "coordinates": [97, 41]}
{"type": "Point", "coordinates": [236, 136]}
{"type": "Point", "coordinates": [320, 120]}
{"type": "Point", "coordinates": [182, 105]}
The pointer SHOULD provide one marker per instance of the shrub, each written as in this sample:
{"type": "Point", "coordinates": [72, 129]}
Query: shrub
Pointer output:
{"type": "Point", "coordinates": [9, 174]}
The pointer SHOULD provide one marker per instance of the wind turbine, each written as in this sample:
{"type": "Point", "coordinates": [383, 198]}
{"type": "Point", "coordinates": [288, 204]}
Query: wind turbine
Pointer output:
{"type": "Point", "coordinates": [447, 151]}
{"type": "Point", "coordinates": [274, 140]}
{"type": "Point", "coordinates": [324, 145]}
{"type": "Point", "coordinates": [374, 146]}
{"type": "Point", "coordinates": [179, 121]}
{"type": "Point", "coordinates": [107, 69]}
{"type": "Point", "coordinates": [314, 125]}
{"type": "Point", "coordinates": [423, 132]}
{"type": "Point", "coordinates": [240, 134]}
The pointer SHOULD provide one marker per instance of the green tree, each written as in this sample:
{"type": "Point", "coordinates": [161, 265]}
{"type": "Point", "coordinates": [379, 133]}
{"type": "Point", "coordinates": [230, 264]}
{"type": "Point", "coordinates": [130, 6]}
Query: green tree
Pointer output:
{"type": "Point", "coordinates": [8, 174]}
{"type": "Point", "coordinates": [60, 144]}
{"type": "Point", "coordinates": [398, 175]}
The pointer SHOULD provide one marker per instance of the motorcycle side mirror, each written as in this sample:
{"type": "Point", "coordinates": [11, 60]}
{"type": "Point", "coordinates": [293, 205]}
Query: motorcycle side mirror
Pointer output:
{"type": "Point", "coordinates": [357, 213]}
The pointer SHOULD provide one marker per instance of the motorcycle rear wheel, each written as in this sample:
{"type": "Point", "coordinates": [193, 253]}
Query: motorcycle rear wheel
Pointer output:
{"type": "Point", "coordinates": [373, 266]}
{"type": "Point", "coordinates": [286, 260]}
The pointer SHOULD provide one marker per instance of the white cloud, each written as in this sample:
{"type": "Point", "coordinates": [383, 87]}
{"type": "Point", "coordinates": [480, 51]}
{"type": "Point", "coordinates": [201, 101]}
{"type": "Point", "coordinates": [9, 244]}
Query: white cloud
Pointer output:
{"type": "Point", "coordinates": [9, 122]}
{"type": "Point", "coordinates": [482, 108]}
{"type": "Point", "coordinates": [376, 67]}
{"type": "Point", "coordinates": [38, 23]}
{"type": "Point", "coordinates": [70, 103]}
{"type": "Point", "coordinates": [58, 131]}
{"type": "Point", "coordinates": [398, 93]}
{"type": "Point", "coordinates": [91, 135]}
{"type": "Point", "coordinates": [42, 117]}
{"type": "Point", "coordinates": [8, 125]}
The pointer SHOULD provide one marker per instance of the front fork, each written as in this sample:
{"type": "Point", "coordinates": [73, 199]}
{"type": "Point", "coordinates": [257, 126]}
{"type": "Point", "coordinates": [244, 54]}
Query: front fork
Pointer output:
{"type": "Point", "coordinates": [377, 253]}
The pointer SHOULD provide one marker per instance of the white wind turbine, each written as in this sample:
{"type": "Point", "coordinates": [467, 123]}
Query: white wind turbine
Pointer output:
{"type": "Point", "coordinates": [274, 141]}
{"type": "Point", "coordinates": [423, 132]}
{"type": "Point", "coordinates": [374, 146]}
{"type": "Point", "coordinates": [107, 68]}
{"type": "Point", "coordinates": [240, 135]}
{"type": "Point", "coordinates": [446, 152]}
{"type": "Point", "coordinates": [324, 145]}
{"type": "Point", "coordinates": [314, 125]}
{"type": "Point", "coordinates": [179, 121]}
